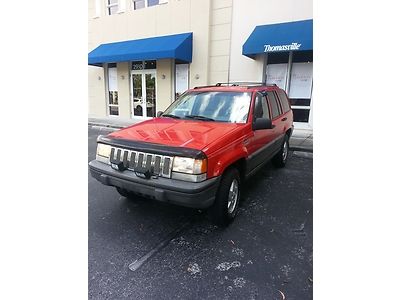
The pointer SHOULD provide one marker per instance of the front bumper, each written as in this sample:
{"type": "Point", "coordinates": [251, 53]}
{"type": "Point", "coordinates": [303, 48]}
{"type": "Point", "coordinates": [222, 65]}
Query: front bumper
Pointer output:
{"type": "Point", "coordinates": [190, 194]}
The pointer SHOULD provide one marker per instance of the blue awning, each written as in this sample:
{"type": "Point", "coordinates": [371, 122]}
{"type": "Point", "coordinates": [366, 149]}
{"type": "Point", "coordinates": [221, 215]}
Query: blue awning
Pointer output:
{"type": "Point", "coordinates": [292, 36]}
{"type": "Point", "coordinates": [177, 46]}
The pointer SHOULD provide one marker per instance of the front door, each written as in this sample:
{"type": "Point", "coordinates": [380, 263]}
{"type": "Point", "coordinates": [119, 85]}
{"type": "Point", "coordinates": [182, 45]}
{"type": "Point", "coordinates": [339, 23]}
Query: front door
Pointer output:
{"type": "Point", "coordinates": [143, 93]}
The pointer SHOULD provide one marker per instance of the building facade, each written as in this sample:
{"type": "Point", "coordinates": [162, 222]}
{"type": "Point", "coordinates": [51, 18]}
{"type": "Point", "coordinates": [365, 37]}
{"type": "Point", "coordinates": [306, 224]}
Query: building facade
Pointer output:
{"type": "Point", "coordinates": [143, 54]}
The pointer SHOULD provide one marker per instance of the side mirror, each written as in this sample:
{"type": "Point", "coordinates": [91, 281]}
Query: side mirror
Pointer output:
{"type": "Point", "coordinates": [262, 123]}
{"type": "Point", "coordinates": [159, 113]}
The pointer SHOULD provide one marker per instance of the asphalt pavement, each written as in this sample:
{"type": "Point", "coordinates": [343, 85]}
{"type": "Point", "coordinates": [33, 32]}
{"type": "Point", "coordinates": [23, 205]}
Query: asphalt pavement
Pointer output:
{"type": "Point", "coordinates": [144, 249]}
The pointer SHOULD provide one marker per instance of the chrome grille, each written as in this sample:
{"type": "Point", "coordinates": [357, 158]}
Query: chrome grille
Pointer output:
{"type": "Point", "coordinates": [161, 165]}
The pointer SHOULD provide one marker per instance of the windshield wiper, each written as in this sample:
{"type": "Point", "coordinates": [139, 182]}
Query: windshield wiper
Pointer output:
{"type": "Point", "coordinates": [171, 116]}
{"type": "Point", "coordinates": [203, 118]}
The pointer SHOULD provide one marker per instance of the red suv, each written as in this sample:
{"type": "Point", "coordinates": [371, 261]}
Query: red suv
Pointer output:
{"type": "Point", "coordinates": [200, 150]}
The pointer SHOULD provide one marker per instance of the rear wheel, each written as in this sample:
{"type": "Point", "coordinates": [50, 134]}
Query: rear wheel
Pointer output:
{"type": "Point", "coordinates": [227, 199]}
{"type": "Point", "coordinates": [279, 160]}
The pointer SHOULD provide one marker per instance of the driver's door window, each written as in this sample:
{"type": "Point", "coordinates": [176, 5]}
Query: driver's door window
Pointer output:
{"type": "Point", "coordinates": [261, 109]}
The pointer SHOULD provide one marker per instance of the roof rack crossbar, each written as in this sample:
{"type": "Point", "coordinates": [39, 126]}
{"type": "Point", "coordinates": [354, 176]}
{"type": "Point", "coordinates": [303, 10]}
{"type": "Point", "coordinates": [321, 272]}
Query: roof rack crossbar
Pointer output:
{"type": "Point", "coordinates": [245, 83]}
{"type": "Point", "coordinates": [237, 83]}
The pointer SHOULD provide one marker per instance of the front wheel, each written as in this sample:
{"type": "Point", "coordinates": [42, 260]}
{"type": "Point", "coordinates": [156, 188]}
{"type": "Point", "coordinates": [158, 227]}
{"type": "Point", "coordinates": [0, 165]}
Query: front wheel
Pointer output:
{"type": "Point", "coordinates": [227, 199]}
{"type": "Point", "coordinates": [279, 160]}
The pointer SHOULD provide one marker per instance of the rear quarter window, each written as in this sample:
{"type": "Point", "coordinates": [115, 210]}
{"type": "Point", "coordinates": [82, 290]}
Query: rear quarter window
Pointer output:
{"type": "Point", "coordinates": [284, 101]}
{"type": "Point", "coordinates": [273, 101]}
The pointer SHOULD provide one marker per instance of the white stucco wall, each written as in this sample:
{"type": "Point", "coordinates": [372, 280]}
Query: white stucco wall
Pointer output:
{"type": "Point", "coordinates": [176, 16]}
{"type": "Point", "coordinates": [246, 15]}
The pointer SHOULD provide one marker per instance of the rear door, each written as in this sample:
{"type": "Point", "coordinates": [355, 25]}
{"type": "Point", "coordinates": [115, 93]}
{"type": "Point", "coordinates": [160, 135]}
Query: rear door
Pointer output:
{"type": "Point", "coordinates": [278, 120]}
{"type": "Point", "coordinates": [287, 111]}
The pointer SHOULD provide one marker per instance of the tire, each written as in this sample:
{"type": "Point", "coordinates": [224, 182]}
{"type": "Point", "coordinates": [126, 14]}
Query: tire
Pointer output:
{"type": "Point", "coordinates": [280, 159]}
{"type": "Point", "coordinates": [226, 203]}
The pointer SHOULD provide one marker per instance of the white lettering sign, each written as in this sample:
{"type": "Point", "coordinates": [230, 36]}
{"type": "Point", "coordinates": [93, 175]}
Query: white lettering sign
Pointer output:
{"type": "Point", "coordinates": [292, 46]}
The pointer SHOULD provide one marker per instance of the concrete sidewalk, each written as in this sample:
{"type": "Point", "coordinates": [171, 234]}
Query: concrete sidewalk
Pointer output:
{"type": "Point", "coordinates": [301, 140]}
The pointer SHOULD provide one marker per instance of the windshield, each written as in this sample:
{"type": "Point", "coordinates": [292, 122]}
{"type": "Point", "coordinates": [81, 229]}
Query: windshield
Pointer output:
{"type": "Point", "coordinates": [230, 107]}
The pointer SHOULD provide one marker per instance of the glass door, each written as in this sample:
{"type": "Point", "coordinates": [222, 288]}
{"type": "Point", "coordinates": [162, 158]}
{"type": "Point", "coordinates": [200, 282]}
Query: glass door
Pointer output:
{"type": "Point", "coordinates": [143, 93]}
{"type": "Point", "coordinates": [150, 84]}
{"type": "Point", "coordinates": [137, 95]}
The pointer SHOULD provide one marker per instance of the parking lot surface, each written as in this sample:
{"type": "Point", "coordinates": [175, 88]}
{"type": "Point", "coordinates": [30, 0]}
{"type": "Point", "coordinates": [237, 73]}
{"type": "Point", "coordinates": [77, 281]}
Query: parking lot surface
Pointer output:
{"type": "Point", "coordinates": [143, 249]}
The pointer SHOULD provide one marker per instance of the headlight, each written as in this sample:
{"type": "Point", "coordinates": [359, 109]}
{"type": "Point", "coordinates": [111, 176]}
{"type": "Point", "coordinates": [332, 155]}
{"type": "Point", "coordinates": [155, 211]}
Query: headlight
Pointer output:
{"type": "Point", "coordinates": [189, 165]}
{"type": "Point", "coordinates": [103, 153]}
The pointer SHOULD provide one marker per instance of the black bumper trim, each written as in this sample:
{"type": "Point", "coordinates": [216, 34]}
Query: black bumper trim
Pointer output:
{"type": "Point", "coordinates": [199, 195]}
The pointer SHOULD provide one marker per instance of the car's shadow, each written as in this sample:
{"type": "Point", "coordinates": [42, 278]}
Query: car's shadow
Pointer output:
{"type": "Point", "coordinates": [160, 211]}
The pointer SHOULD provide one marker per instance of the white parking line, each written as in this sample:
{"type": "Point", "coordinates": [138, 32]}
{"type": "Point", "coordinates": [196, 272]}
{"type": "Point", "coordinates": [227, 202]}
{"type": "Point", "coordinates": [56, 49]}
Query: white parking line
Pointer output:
{"type": "Point", "coordinates": [139, 262]}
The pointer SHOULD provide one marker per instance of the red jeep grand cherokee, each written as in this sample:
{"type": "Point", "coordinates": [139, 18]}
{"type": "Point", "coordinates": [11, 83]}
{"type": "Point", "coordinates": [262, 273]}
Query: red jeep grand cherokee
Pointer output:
{"type": "Point", "coordinates": [199, 151]}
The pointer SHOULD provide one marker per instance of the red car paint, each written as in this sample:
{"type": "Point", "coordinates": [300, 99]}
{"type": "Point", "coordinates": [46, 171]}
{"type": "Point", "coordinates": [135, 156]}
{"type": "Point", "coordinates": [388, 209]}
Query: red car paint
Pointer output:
{"type": "Point", "coordinates": [223, 143]}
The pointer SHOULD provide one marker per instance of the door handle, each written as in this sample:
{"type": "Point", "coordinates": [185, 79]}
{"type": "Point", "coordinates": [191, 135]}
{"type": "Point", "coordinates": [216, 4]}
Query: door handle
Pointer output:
{"type": "Point", "coordinates": [284, 119]}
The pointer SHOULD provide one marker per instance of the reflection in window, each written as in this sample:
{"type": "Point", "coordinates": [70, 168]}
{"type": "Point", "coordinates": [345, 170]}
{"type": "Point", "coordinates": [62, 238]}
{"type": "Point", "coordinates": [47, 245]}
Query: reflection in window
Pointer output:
{"type": "Point", "coordinates": [276, 110]}
{"type": "Point", "coordinates": [113, 111]}
{"type": "Point", "coordinates": [112, 90]}
{"type": "Point", "coordinates": [138, 4]}
{"type": "Point", "coordinates": [230, 107]}
{"type": "Point", "coordinates": [153, 2]}
{"type": "Point", "coordinates": [261, 109]}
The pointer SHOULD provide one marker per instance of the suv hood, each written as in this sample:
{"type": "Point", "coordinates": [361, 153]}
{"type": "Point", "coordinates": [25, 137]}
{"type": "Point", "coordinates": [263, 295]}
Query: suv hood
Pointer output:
{"type": "Point", "coordinates": [180, 133]}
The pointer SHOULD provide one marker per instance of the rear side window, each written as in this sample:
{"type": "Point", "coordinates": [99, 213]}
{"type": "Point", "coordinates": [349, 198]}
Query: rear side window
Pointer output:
{"type": "Point", "coordinates": [284, 101]}
{"type": "Point", "coordinates": [275, 108]}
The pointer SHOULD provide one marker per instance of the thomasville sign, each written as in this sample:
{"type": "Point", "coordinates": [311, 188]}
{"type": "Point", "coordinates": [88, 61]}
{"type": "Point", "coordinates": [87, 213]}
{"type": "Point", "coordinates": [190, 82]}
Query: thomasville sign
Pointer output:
{"type": "Point", "coordinates": [290, 47]}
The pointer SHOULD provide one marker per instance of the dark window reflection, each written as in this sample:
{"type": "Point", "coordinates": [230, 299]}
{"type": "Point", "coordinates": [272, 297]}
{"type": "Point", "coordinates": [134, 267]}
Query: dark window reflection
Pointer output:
{"type": "Point", "coordinates": [300, 102]}
{"type": "Point", "coordinates": [301, 115]}
{"type": "Point", "coordinates": [113, 110]}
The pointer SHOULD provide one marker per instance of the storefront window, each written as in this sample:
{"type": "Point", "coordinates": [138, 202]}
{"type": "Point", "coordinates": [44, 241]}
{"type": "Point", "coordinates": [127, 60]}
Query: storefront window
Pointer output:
{"type": "Point", "coordinates": [112, 90]}
{"type": "Point", "coordinates": [112, 7]}
{"type": "Point", "coordinates": [181, 79]}
{"type": "Point", "coordinates": [298, 84]}
{"type": "Point", "coordinates": [152, 2]}
{"type": "Point", "coordinates": [138, 4]}
{"type": "Point", "coordinates": [300, 88]}
{"type": "Point", "coordinates": [277, 74]}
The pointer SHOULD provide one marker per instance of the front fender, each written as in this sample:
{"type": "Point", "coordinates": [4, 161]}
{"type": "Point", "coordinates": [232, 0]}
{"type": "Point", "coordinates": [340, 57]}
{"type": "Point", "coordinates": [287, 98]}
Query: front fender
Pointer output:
{"type": "Point", "coordinates": [225, 157]}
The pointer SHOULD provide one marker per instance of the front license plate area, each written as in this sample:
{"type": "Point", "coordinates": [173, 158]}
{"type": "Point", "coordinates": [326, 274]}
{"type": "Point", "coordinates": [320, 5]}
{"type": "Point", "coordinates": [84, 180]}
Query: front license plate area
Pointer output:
{"type": "Point", "coordinates": [143, 172]}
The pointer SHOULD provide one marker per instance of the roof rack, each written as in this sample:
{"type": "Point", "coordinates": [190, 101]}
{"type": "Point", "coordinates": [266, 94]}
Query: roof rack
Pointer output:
{"type": "Point", "coordinates": [237, 83]}
{"type": "Point", "coordinates": [203, 86]}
